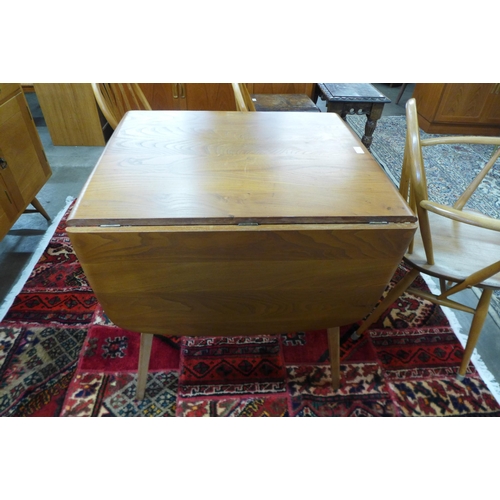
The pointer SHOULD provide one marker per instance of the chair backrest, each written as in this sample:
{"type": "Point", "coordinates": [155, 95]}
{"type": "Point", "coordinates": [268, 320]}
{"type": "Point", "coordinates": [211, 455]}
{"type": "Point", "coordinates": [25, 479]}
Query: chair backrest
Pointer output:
{"type": "Point", "coordinates": [413, 183]}
{"type": "Point", "coordinates": [115, 99]}
{"type": "Point", "coordinates": [242, 97]}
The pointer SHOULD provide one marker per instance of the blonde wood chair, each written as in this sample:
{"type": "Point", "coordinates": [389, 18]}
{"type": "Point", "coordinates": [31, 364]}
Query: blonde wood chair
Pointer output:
{"type": "Point", "coordinates": [115, 99]}
{"type": "Point", "coordinates": [459, 247]}
{"type": "Point", "coordinates": [271, 102]}
{"type": "Point", "coordinates": [242, 97]}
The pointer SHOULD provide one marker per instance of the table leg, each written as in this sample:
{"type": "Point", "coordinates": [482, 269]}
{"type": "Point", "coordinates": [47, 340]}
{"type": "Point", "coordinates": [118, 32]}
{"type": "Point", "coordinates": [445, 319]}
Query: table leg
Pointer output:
{"type": "Point", "coordinates": [371, 122]}
{"type": "Point", "coordinates": [338, 107]}
{"type": "Point", "coordinates": [315, 94]}
{"type": "Point", "coordinates": [144, 354]}
{"type": "Point", "coordinates": [334, 348]}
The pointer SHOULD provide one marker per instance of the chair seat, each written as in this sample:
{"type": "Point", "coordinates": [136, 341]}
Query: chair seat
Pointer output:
{"type": "Point", "coordinates": [283, 102]}
{"type": "Point", "coordinates": [459, 249]}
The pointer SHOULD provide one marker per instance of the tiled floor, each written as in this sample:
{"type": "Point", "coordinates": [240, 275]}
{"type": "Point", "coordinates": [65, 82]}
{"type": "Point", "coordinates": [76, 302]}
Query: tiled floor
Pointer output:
{"type": "Point", "coordinates": [71, 166]}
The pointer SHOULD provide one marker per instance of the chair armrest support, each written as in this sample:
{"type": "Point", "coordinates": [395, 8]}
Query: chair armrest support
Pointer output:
{"type": "Point", "coordinates": [465, 139]}
{"type": "Point", "coordinates": [461, 216]}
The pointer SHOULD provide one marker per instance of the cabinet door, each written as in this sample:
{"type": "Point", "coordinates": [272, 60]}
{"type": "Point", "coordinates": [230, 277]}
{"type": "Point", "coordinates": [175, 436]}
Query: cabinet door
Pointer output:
{"type": "Point", "coordinates": [492, 108]}
{"type": "Point", "coordinates": [463, 103]}
{"type": "Point", "coordinates": [26, 168]}
{"type": "Point", "coordinates": [162, 95]}
{"type": "Point", "coordinates": [8, 211]}
{"type": "Point", "coordinates": [208, 96]}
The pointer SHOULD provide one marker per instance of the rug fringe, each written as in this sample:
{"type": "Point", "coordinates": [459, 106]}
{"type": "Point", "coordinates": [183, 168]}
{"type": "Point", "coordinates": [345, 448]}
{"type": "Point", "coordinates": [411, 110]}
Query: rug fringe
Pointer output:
{"type": "Point", "coordinates": [42, 245]}
{"type": "Point", "coordinates": [481, 367]}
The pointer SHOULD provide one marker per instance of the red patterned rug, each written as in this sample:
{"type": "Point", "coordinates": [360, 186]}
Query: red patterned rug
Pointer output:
{"type": "Point", "coordinates": [61, 356]}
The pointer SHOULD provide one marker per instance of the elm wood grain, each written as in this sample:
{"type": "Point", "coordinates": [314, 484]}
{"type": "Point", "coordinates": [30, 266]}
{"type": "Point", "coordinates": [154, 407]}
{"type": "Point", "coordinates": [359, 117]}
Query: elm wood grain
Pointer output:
{"type": "Point", "coordinates": [177, 168]}
{"type": "Point", "coordinates": [459, 247]}
{"type": "Point", "coordinates": [240, 280]}
{"type": "Point", "coordinates": [167, 177]}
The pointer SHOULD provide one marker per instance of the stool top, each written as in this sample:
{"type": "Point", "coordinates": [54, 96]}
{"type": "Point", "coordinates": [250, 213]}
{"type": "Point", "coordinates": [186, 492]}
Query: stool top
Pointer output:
{"type": "Point", "coordinates": [283, 102]}
{"type": "Point", "coordinates": [347, 92]}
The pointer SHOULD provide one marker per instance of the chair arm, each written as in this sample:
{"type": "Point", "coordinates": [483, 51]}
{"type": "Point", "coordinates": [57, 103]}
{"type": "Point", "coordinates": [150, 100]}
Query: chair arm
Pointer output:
{"type": "Point", "coordinates": [464, 139]}
{"type": "Point", "coordinates": [461, 216]}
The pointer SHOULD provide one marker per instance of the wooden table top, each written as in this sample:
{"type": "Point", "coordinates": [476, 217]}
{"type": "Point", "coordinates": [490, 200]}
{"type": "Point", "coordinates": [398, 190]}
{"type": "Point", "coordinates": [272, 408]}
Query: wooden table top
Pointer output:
{"type": "Point", "coordinates": [215, 167]}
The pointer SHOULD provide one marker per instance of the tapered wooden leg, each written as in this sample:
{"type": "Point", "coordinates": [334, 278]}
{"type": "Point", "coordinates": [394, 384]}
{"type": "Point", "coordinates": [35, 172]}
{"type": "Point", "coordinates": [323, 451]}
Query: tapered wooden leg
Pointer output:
{"type": "Point", "coordinates": [334, 348]}
{"type": "Point", "coordinates": [144, 354]}
{"type": "Point", "coordinates": [40, 209]}
{"type": "Point", "coordinates": [475, 329]}
{"type": "Point", "coordinates": [390, 298]}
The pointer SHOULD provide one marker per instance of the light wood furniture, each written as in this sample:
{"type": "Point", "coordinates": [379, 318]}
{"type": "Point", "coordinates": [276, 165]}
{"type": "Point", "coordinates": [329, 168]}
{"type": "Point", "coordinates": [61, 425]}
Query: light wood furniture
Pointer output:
{"type": "Point", "coordinates": [271, 102]}
{"type": "Point", "coordinates": [74, 119]}
{"type": "Point", "coordinates": [72, 114]}
{"type": "Point", "coordinates": [211, 96]}
{"type": "Point", "coordinates": [354, 99]}
{"type": "Point", "coordinates": [189, 96]}
{"type": "Point", "coordinates": [459, 247]}
{"type": "Point", "coordinates": [242, 97]}
{"type": "Point", "coordinates": [228, 223]}
{"type": "Point", "coordinates": [23, 166]}
{"type": "Point", "coordinates": [459, 108]}
{"type": "Point", "coordinates": [115, 99]}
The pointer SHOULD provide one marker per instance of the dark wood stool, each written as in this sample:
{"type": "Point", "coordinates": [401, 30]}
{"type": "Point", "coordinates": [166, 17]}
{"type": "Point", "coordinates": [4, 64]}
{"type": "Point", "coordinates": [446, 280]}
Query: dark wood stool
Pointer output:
{"type": "Point", "coordinates": [353, 99]}
{"type": "Point", "coordinates": [283, 102]}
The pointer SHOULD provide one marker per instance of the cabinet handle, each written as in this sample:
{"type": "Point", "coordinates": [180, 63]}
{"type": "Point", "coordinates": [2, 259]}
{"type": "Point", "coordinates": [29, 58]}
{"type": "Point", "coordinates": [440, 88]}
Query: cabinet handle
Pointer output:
{"type": "Point", "coordinates": [3, 164]}
{"type": "Point", "coordinates": [175, 90]}
{"type": "Point", "coordinates": [496, 89]}
{"type": "Point", "coordinates": [8, 197]}
{"type": "Point", "coordinates": [183, 91]}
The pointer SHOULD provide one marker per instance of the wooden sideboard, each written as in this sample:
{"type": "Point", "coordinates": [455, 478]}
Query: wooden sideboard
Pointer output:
{"type": "Point", "coordinates": [459, 108]}
{"type": "Point", "coordinates": [23, 166]}
{"type": "Point", "coordinates": [74, 119]}
{"type": "Point", "coordinates": [71, 114]}
{"type": "Point", "coordinates": [211, 96]}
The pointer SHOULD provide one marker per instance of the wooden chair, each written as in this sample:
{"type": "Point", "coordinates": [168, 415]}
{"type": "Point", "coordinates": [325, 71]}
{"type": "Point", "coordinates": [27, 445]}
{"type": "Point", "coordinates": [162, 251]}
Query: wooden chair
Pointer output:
{"type": "Point", "coordinates": [242, 97]}
{"type": "Point", "coordinates": [115, 99]}
{"type": "Point", "coordinates": [458, 246]}
{"type": "Point", "coordinates": [271, 102]}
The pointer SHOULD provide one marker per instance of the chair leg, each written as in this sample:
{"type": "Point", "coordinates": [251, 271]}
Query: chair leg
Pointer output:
{"type": "Point", "coordinates": [390, 298]}
{"type": "Point", "coordinates": [475, 329]}
{"type": "Point", "coordinates": [144, 355]}
{"type": "Point", "coordinates": [403, 87]}
{"type": "Point", "coordinates": [334, 348]}
{"type": "Point", "coordinates": [39, 208]}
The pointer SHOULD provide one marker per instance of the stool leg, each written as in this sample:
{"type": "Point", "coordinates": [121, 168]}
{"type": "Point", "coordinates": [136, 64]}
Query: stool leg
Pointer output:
{"type": "Point", "coordinates": [371, 123]}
